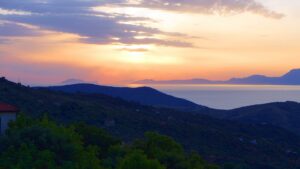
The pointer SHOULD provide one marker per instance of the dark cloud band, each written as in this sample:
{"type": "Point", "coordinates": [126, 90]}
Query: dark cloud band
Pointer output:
{"type": "Point", "coordinates": [78, 17]}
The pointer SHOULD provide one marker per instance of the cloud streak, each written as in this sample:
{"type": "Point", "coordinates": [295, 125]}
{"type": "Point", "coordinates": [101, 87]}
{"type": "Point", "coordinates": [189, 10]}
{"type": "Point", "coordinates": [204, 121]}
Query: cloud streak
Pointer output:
{"type": "Point", "coordinates": [9, 29]}
{"type": "Point", "coordinates": [222, 7]}
{"type": "Point", "coordinates": [78, 17]}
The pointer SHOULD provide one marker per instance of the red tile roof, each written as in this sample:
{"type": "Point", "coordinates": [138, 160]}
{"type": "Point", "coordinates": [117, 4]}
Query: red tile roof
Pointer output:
{"type": "Point", "coordinates": [6, 108]}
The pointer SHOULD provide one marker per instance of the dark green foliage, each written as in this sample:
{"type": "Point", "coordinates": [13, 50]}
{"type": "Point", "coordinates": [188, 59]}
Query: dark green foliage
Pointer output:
{"type": "Point", "coordinates": [138, 160]}
{"type": "Point", "coordinates": [163, 148]}
{"type": "Point", "coordinates": [218, 141]}
{"type": "Point", "coordinates": [194, 161]}
{"type": "Point", "coordinates": [115, 154]}
{"type": "Point", "coordinates": [97, 137]}
{"type": "Point", "coordinates": [43, 144]}
{"type": "Point", "coordinates": [170, 153]}
{"type": "Point", "coordinates": [235, 166]}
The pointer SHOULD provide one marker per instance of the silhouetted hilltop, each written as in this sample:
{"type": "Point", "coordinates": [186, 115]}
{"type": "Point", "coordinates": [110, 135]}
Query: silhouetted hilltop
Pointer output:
{"type": "Point", "coordinates": [255, 79]}
{"type": "Point", "coordinates": [292, 77]}
{"type": "Point", "coordinates": [142, 95]}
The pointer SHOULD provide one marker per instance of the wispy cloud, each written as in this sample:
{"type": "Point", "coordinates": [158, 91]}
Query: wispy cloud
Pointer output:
{"type": "Point", "coordinates": [10, 29]}
{"type": "Point", "coordinates": [134, 50]}
{"type": "Point", "coordinates": [78, 17]}
{"type": "Point", "coordinates": [223, 7]}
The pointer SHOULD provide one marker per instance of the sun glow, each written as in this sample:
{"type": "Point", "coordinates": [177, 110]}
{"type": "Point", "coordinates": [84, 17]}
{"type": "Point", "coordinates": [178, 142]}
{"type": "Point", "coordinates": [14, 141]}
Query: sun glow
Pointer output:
{"type": "Point", "coordinates": [143, 54]}
{"type": "Point", "coordinates": [144, 59]}
{"type": "Point", "coordinates": [222, 46]}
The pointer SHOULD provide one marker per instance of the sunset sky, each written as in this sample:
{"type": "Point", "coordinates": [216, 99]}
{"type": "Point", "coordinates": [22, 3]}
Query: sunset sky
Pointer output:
{"type": "Point", "coordinates": [120, 41]}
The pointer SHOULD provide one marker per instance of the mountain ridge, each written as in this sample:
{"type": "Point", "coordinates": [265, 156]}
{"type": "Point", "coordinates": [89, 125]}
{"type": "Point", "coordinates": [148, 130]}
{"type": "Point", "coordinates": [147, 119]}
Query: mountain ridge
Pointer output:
{"type": "Point", "coordinates": [282, 114]}
{"type": "Point", "coordinates": [143, 95]}
{"type": "Point", "coordinates": [275, 113]}
{"type": "Point", "coordinates": [290, 78]}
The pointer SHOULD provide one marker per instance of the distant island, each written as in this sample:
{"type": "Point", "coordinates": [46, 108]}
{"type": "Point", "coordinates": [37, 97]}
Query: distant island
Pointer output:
{"type": "Point", "coordinates": [74, 81]}
{"type": "Point", "coordinates": [290, 78]}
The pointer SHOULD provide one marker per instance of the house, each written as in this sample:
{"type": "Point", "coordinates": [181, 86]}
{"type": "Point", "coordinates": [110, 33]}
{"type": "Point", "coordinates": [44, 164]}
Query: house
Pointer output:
{"type": "Point", "coordinates": [7, 113]}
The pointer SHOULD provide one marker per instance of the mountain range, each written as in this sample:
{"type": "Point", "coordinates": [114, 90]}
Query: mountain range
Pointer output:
{"type": "Point", "coordinates": [250, 145]}
{"type": "Point", "coordinates": [290, 78]}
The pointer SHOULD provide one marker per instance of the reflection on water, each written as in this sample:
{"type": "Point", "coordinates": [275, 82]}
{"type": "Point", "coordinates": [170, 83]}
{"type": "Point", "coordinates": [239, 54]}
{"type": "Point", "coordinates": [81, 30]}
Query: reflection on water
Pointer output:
{"type": "Point", "coordinates": [232, 96]}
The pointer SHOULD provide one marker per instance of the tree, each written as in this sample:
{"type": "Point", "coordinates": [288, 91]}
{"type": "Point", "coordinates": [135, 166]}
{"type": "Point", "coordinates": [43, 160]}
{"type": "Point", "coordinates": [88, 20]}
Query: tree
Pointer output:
{"type": "Point", "coordinates": [194, 161]}
{"type": "Point", "coordinates": [42, 144]}
{"type": "Point", "coordinates": [97, 137]}
{"type": "Point", "coordinates": [138, 160]}
{"type": "Point", "coordinates": [169, 153]}
{"type": "Point", "coordinates": [163, 148]}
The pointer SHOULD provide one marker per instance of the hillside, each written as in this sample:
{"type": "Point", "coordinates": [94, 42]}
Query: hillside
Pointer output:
{"type": "Point", "coordinates": [282, 114]}
{"type": "Point", "coordinates": [285, 115]}
{"type": "Point", "coordinates": [221, 141]}
{"type": "Point", "coordinates": [142, 95]}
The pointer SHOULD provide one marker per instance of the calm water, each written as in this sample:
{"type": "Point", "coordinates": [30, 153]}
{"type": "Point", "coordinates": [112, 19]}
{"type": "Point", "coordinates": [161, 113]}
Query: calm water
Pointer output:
{"type": "Point", "coordinates": [232, 96]}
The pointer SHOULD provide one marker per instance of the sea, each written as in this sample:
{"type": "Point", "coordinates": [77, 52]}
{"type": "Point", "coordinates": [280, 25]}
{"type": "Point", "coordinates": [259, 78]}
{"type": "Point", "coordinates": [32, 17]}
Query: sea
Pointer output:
{"type": "Point", "coordinates": [232, 96]}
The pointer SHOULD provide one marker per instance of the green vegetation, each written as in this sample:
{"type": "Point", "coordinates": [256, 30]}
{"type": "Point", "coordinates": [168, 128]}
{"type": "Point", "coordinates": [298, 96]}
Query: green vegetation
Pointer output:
{"type": "Point", "coordinates": [226, 143]}
{"type": "Point", "coordinates": [44, 144]}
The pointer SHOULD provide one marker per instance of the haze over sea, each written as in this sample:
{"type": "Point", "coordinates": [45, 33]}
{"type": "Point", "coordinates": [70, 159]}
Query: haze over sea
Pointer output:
{"type": "Point", "coordinates": [232, 96]}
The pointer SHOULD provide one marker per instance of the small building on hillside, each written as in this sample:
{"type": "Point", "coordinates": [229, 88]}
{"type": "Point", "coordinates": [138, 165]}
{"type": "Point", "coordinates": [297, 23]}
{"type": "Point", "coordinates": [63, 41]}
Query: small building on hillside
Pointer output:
{"type": "Point", "coordinates": [7, 113]}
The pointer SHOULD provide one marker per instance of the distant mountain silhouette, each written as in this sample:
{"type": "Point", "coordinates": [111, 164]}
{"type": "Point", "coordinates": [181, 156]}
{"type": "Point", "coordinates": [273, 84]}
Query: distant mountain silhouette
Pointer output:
{"type": "Point", "coordinates": [190, 81]}
{"type": "Point", "coordinates": [71, 81]}
{"type": "Point", "coordinates": [142, 95]}
{"type": "Point", "coordinates": [290, 78]}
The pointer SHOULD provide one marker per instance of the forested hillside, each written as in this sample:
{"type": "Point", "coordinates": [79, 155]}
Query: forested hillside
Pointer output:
{"type": "Point", "coordinates": [219, 141]}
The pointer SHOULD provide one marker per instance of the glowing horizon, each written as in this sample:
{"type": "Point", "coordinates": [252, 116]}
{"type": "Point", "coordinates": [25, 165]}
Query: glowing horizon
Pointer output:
{"type": "Point", "coordinates": [120, 41]}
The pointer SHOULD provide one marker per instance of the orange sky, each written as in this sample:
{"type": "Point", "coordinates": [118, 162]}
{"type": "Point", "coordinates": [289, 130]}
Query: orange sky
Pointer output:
{"type": "Point", "coordinates": [186, 44]}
